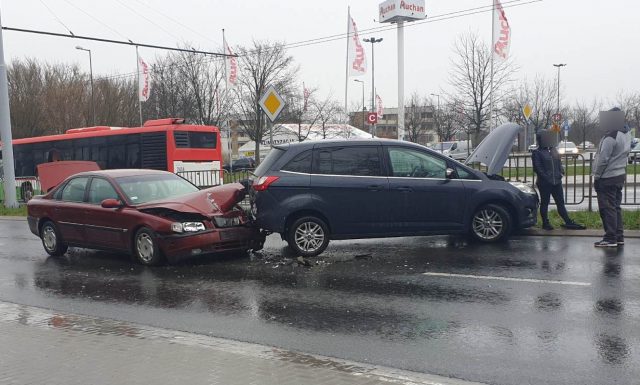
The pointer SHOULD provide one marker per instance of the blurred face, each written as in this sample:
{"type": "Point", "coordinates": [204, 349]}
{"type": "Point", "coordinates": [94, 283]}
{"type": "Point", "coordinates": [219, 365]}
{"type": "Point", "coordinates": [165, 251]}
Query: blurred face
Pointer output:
{"type": "Point", "coordinates": [611, 120]}
{"type": "Point", "coordinates": [548, 139]}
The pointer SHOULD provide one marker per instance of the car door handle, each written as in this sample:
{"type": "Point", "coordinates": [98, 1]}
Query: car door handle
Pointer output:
{"type": "Point", "coordinates": [404, 189]}
{"type": "Point", "coordinates": [375, 187]}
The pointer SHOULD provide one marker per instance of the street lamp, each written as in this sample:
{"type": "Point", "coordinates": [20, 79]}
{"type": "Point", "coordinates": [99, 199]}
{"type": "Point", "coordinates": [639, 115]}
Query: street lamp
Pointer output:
{"type": "Point", "coordinates": [558, 66]}
{"type": "Point", "coordinates": [364, 108]}
{"type": "Point", "coordinates": [438, 113]}
{"type": "Point", "coordinates": [93, 107]}
{"type": "Point", "coordinates": [373, 41]}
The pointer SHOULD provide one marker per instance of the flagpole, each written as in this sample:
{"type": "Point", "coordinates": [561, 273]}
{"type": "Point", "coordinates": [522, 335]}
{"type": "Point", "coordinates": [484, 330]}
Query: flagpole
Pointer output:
{"type": "Point", "coordinates": [138, 93]}
{"type": "Point", "coordinates": [226, 94]}
{"type": "Point", "coordinates": [346, 67]}
{"type": "Point", "coordinates": [493, 39]}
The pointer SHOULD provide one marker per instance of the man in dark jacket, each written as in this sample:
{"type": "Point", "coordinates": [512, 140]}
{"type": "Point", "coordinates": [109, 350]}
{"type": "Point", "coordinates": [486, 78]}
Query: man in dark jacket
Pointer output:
{"type": "Point", "coordinates": [548, 167]}
{"type": "Point", "coordinates": [609, 173]}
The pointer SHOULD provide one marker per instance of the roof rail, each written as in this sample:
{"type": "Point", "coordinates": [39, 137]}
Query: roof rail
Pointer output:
{"type": "Point", "coordinates": [87, 129]}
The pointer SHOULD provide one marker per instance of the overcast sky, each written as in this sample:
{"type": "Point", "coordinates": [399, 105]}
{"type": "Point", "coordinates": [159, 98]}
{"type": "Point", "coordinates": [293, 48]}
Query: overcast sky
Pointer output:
{"type": "Point", "coordinates": [598, 40]}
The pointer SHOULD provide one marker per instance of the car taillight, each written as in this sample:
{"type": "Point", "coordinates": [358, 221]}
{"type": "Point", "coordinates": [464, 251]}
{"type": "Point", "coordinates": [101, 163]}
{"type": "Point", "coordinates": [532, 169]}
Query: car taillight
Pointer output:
{"type": "Point", "coordinates": [264, 182]}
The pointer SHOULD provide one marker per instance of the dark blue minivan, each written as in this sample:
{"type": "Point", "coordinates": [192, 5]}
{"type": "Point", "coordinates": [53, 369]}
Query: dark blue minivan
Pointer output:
{"type": "Point", "coordinates": [312, 192]}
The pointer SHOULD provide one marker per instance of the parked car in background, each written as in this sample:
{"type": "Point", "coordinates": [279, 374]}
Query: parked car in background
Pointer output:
{"type": "Point", "coordinates": [586, 145]}
{"type": "Point", "coordinates": [152, 215]}
{"type": "Point", "coordinates": [241, 164]}
{"type": "Point", "coordinates": [532, 147]}
{"type": "Point", "coordinates": [568, 148]}
{"type": "Point", "coordinates": [458, 150]}
{"type": "Point", "coordinates": [634, 154]}
{"type": "Point", "coordinates": [312, 192]}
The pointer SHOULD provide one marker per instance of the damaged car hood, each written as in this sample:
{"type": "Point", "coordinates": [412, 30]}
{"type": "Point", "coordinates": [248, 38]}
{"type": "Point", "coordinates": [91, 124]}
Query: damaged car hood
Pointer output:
{"type": "Point", "coordinates": [494, 150]}
{"type": "Point", "coordinates": [211, 201]}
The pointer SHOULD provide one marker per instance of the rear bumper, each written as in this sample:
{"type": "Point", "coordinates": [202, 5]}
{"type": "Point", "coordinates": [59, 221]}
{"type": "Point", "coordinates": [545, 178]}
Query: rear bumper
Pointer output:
{"type": "Point", "coordinates": [182, 246]}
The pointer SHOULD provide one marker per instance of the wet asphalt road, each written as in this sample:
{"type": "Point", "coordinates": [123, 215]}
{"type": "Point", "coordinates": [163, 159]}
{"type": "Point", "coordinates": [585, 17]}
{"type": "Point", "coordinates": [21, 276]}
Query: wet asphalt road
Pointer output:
{"type": "Point", "coordinates": [534, 310]}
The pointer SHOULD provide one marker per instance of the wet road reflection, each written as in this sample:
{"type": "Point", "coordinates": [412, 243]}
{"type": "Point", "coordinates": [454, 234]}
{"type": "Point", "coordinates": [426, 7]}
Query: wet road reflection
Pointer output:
{"type": "Point", "coordinates": [369, 301]}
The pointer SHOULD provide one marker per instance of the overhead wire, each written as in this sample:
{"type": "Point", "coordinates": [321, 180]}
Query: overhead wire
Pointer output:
{"type": "Point", "coordinates": [56, 16]}
{"type": "Point", "coordinates": [149, 20]}
{"type": "Point", "coordinates": [98, 20]}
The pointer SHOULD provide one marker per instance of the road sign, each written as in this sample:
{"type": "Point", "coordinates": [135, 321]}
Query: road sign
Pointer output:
{"type": "Point", "coordinates": [372, 117]}
{"type": "Point", "coordinates": [527, 110]}
{"type": "Point", "coordinates": [555, 127]}
{"type": "Point", "coordinates": [557, 117]}
{"type": "Point", "coordinates": [566, 126]}
{"type": "Point", "coordinates": [271, 103]}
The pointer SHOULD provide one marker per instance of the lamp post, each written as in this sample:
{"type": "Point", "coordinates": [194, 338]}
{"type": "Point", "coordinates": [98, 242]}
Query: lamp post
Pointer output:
{"type": "Point", "coordinates": [93, 106]}
{"type": "Point", "coordinates": [364, 108]}
{"type": "Point", "coordinates": [558, 66]}
{"type": "Point", "coordinates": [373, 41]}
{"type": "Point", "coordinates": [438, 114]}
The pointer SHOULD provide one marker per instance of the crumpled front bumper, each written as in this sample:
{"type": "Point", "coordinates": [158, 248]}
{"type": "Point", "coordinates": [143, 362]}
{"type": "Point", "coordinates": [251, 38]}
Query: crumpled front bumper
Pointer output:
{"type": "Point", "coordinates": [177, 247]}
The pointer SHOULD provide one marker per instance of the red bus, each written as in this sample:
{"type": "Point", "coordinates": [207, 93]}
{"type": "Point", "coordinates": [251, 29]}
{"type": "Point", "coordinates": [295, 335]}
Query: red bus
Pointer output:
{"type": "Point", "coordinates": [193, 151]}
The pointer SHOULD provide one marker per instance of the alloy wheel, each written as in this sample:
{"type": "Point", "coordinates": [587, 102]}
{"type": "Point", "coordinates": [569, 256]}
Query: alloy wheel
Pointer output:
{"type": "Point", "coordinates": [488, 224]}
{"type": "Point", "coordinates": [309, 236]}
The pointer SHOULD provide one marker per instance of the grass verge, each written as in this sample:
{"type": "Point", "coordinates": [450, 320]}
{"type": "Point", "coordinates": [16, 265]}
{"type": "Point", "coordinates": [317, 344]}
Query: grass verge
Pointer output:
{"type": "Point", "coordinates": [630, 218]}
{"type": "Point", "coordinates": [19, 212]}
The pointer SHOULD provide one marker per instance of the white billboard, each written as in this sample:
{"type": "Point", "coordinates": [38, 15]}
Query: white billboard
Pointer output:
{"type": "Point", "coordinates": [401, 10]}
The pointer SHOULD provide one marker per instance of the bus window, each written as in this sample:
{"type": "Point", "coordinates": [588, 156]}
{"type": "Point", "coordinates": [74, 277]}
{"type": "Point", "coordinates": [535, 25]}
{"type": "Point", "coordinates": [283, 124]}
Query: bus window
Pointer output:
{"type": "Point", "coordinates": [193, 139]}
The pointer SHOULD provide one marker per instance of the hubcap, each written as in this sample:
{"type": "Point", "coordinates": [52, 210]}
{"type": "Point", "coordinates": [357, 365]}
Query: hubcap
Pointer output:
{"type": "Point", "coordinates": [487, 224]}
{"type": "Point", "coordinates": [49, 238]}
{"type": "Point", "coordinates": [309, 236]}
{"type": "Point", "coordinates": [144, 245]}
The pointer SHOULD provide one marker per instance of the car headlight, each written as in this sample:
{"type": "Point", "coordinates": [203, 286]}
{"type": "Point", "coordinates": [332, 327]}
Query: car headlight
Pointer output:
{"type": "Point", "coordinates": [187, 227]}
{"type": "Point", "coordinates": [525, 188]}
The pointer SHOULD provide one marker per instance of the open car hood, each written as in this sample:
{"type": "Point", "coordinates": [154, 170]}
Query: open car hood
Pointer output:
{"type": "Point", "coordinates": [212, 201]}
{"type": "Point", "coordinates": [494, 150]}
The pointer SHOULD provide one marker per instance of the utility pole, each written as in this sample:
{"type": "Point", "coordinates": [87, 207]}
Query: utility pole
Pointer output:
{"type": "Point", "coordinates": [373, 41]}
{"type": "Point", "coordinates": [5, 133]}
{"type": "Point", "coordinates": [438, 115]}
{"type": "Point", "coordinates": [558, 66]}
{"type": "Point", "coordinates": [364, 108]}
{"type": "Point", "coordinates": [93, 106]}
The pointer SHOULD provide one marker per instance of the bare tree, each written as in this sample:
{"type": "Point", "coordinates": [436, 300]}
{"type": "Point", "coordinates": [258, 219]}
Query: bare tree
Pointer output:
{"type": "Point", "coordinates": [585, 120]}
{"type": "Point", "coordinates": [261, 65]}
{"type": "Point", "coordinates": [329, 111]}
{"type": "Point", "coordinates": [417, 120]}
{"type": "Point", "coordinates": [470, 78]}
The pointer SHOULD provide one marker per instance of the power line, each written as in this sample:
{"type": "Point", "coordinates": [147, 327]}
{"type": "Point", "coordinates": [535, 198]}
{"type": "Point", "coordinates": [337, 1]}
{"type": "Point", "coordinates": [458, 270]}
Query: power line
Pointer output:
{"type": "Point", "coordinates": [149, 20]}
{"type": "Point", "coordinates": [98, 20]}
{"type": "Point", "coordinates": [55, 16]}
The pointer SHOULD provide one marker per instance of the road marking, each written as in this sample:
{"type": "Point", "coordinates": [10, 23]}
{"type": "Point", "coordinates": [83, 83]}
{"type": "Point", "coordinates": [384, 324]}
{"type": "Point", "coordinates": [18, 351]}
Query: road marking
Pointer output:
{"type": "Point", "coordinates": [571, 283]}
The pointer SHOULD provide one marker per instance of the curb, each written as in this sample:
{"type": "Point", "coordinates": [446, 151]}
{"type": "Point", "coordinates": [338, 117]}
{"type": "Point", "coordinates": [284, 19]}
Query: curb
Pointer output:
{"type": "Point", "coordinates": [560, 232]}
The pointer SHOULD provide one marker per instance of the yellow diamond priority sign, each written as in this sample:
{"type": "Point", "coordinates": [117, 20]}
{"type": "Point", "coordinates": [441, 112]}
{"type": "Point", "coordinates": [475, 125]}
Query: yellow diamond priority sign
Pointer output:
{"type": "Point", "coordinates": [271, 103]}
{"type": "Point", "coordinates": [527, 110]}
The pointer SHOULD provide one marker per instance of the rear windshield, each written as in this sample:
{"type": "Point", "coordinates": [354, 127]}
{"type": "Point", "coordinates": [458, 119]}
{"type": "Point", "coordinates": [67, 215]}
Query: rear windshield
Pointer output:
{"type": "Point", "coordinates": [274, 154]}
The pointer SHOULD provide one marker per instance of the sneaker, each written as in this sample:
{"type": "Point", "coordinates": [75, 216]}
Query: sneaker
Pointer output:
{"type": "Point", "coordinates": [620, 241]}
{"type": "Point", "coordinates": [604, 243]}
{"type": "Point", "coordinates": [547, 226]}
{"type": "Point", "coordinates": [574, 226]}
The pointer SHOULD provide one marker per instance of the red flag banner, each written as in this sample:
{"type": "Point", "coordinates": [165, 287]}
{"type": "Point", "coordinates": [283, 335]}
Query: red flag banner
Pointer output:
{"type": "Point", "coordinates": [144, 83]}
{"type": "Point", "coordinates": [231, 66]}
{"type": "Point", "coordinates": [379, 108]}
{"type": "Point", "coordinates": [356, 59]}
{"type": "Point", "coordinates": [501, 32]}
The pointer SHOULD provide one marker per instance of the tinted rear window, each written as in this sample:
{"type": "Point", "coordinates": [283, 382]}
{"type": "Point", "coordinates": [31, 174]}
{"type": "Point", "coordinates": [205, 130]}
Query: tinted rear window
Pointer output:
{"type": "Point", "coordinates": [359, 161]}
{"type": "Point", "coordinates": [192, 139]}
{"type": "Point", "coordinates": [273, 155]}
{"type": "Point", "coordinates": [300, 163]}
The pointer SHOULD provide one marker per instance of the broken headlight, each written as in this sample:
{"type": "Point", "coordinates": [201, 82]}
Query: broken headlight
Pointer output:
{"type": "Point", "coordinates": [227, 222]}
{"type": "Point", "coordinates": [187, 227]}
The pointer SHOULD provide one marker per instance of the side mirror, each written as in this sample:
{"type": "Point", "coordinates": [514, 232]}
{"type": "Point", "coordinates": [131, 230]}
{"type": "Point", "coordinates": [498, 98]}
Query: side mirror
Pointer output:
{"type": "Point", "coordinates": [111, 203]}
{"type": "Point", "coordinates": [449, 173]}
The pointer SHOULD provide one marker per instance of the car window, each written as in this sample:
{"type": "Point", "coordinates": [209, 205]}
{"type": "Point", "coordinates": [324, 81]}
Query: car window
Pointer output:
{"type": "Point", "coordinates": [274, 154]}
{"type": "Point", "coordinates": [101, 189]}
{"type": "Point", "coordinates": [145, 188]}
{"type": "Point", "coordinates": [357, 161]}
{"type": "Point", "coordinates": [74, 190]}
{"type": "Point", "coordinates": [416, 164]}
{"type": "Point", "coordinates": [464, 174]}
{"type": "Point", "coordinates": [300, 163]}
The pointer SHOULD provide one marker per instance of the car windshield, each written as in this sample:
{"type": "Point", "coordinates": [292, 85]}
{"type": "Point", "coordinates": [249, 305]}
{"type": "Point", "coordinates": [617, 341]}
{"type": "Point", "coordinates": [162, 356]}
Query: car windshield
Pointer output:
{"type": "Point", "coordinates": [567, 145]}
{"type": "Point", "coordinates": [145, 188]}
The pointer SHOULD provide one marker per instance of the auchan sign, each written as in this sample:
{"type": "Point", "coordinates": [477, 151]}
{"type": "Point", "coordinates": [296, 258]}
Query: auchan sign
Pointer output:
{"type": "Point", "coordinates": [401, 10]}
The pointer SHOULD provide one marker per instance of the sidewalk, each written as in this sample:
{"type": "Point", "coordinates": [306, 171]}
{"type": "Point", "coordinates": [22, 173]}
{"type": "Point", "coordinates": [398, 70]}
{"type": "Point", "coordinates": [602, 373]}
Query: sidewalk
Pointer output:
{"type": "Point", "coordinates": [47, 347]}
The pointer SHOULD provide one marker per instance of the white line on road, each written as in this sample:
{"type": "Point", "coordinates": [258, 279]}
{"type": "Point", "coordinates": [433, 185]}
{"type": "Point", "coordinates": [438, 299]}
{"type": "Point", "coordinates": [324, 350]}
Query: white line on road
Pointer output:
{"type": "Point", "coordinates": [572, 283]}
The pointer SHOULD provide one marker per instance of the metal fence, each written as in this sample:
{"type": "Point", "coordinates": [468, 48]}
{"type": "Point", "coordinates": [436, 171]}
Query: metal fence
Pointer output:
{"type": "Point", "coordinates": [578, 182]}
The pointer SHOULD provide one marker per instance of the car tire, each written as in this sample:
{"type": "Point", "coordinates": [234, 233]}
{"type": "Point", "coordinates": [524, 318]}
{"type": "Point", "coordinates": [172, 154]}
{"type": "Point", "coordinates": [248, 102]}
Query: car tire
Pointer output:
{"type": "Point", "coordinates": [51, 240]}
{"type": "Point", "coordinates": [145, 248]}
{"type": "Point", "coordinates": [490, 223]}
{"type": "Point", "coordinates": [308, 236]}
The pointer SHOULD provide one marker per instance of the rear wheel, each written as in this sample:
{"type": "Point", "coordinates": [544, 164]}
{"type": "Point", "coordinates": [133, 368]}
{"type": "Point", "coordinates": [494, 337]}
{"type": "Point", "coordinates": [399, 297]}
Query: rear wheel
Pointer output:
{"type": "Point", "coordinates": [145, 248]}
{"type": "Point", "coordinates": [491, 223]}
{"type": "Point", "coordinates": [308, 236]}
{"type": "Point", "coordinates": [51, 240]}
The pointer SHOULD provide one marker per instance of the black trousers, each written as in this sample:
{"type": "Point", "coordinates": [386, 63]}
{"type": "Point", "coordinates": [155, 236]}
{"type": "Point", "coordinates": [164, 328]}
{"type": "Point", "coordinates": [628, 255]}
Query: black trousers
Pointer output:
{"type": "Point", "coordinates": [609, 192]}
{"type": "Point", "coordinates": [546, 191]}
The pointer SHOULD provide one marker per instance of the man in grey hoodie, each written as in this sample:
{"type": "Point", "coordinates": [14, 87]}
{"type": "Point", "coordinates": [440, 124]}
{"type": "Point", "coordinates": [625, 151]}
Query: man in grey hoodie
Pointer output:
{"type": "Point", "coordinates": [610, 172]}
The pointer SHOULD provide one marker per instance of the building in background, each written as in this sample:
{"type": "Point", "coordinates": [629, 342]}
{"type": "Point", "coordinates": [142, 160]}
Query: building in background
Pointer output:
{"type": "Point", "coordinates": [419, 123]}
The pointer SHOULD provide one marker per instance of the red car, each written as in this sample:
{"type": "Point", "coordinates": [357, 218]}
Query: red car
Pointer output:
{"type": "Point", "coordinates": [153, 215]}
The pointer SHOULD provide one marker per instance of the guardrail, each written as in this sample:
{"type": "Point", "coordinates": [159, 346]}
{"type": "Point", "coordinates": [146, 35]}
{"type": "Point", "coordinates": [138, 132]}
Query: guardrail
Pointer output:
{"type": "Point", "coordinates": [577, 182]}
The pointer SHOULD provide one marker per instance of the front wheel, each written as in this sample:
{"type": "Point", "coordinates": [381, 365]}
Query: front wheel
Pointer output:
{"type": "Point", "coordinates": [51, 240]}
{"type": "Point", "coordinates": [145, 248]}
{"type": "Point", "coordinates": [490, 223]}
{"type": "Point", "coordinates": [308, 236]}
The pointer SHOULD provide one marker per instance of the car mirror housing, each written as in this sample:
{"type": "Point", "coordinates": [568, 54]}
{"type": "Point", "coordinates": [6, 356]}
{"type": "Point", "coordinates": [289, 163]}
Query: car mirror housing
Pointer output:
{"type": "Point", "coordinates": [111, 203]}
{"type": "Point", "coordinates": [449, 173]}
